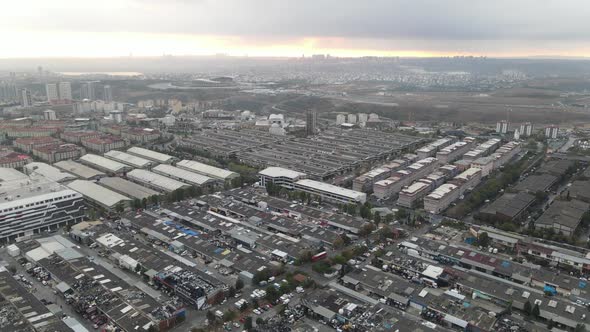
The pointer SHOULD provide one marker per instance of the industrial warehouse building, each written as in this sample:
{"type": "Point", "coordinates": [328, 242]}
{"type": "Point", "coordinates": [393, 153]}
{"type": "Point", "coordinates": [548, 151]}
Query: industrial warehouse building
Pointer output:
{"type": "Point", "coordinates": [127, 188]}
{"type": "Point", "coordinates": [128, 159]}
{"type": "Point", "coordinates": [104, 164]}
{"type": "Point", "coordinates": [47, 171]}
{"type": "Point", "coordinates": [156, 181]}
{"type": "Point", "coordinates": [99, 196]}
{"type": "Point", "coordinates": [207, 170]}
{"type": "Point", "coordinates": [183, 175]}
{"type": "Point", "coordinates": [154, 156]}
{"type": "Point", "coordinates": [36, 204]}
{"type": "Point", "coordinates": [81, 171]}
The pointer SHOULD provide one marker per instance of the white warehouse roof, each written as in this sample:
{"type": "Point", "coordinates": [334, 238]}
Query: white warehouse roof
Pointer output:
{"type": "Point", "coordinates": [11, 174]}
{"type": "Point", "coordinates": [128, 159]}
{"type": "Point", "coordinates": [158, 181]}
{"type": "Point", "coordinates": [78, 169]}
{"type": "Point", "coordinates": [275, 172]}
{"type": "Point", "coordinates": [181, 174]}
{"type": "Point", "coordinates": [151, 155]}
{"type": "Point", "coordinates": [330, 188]}
{"type": "Point", "coordinates": [127, 188]}
{"type": "Point", "coordinates": [48, 172]}
{"type": "Point", "coordinates": [98, 194]}
{"type": "Point", "coordinates": [104, 163]}
{"type": "Point", "coordinates": [208, 170]}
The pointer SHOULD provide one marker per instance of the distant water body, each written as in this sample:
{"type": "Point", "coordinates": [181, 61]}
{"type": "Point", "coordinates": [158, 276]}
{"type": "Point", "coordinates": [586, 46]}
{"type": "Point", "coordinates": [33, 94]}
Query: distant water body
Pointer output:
{"type": "Point", "coordinates": [108, 73]}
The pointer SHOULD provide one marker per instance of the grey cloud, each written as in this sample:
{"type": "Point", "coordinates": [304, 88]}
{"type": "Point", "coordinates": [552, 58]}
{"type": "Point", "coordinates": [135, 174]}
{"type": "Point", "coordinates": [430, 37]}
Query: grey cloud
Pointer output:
{"type": "Point", "coordinates": [368, 19]}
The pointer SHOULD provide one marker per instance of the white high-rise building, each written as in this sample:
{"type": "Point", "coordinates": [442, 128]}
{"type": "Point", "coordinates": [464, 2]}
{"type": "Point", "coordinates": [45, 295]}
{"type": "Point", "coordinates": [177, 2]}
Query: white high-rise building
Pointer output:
{"type": "Point", "coordinates": [340, 119]}
{"type": "Point", "coordinates": [526, 129]}
{"type": "Point", "coordinates": [502, 127]}
{"type": "Point", "coordinates": [51, 92]}
{"type": "Point", "coordinates": [26, 98]}
{"type": "Point", "coordinates": [117, 116]}
{"type": "Point", "coordinates": [65, 91]}
{"type": "Point", "coordinates": [351, 118]}
{"type": "Point", "coordinates": [108, 94]}
{"type": "Point", "coordinates": [87, 91]}
{"type": "Point", "coordinates": [49, 115]}
{"type": "Point", "coordinates": [517, 134]}
{"type": "Point", "coordinates": [363, 117]}
{"type": "Point", "coordinates": [551, 131]}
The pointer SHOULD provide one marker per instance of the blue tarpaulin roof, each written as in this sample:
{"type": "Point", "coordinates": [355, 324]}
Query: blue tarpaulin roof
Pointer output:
{"type": "Point", "coordinates": [550, 289]}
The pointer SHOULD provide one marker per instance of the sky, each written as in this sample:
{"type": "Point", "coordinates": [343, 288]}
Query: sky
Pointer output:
{"type": "Point", "coordinates": [110, 28]}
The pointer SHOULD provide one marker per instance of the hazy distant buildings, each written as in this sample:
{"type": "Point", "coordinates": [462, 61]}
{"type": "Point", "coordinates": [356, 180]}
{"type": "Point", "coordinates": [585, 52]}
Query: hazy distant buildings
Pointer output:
{"type": "Point", "coordinates": [51, 92]}
{"type": "Point", "coordinates": [526, 129]}
{"type": "Point", "coordinates": [340, 119]}
{"type": "Point", "coordinates": [26, 98]}
{"type": "Point", "coordinates": [88, 90]}
{"type": "Point", "coordinates": [551, 131]}
{"type": "Point", "coordinates": [311, 120]}
{"type": "Point", "coordinates": [8, 91]}
{"type": "Point", "coordinates": [49, 115]}
{"type": "Point", "coordinates": [65, 92]}
{"type": "Point", "coordinates": [59, 93]}
{"type": "Point", "coordinates": [116, 116]}
{"type": "Point", "coordinates": [502, 127]}
{"type": "Point", "coordinates": [108, 94]}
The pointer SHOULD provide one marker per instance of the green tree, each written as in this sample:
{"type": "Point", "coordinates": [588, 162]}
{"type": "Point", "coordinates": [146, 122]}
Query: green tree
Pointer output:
{"type": "Point", "coordinates": [389, 218]}
{"type": "Point", "coordinates": [210, 317]}
{"type": "Point", "coordinates": [483, 239]}
{"type": "Point", "coordinates": [536, 311]}
{"type": "Point", "coordinates": [338, 242]}
{"type": "Point", "coordinates": [248, 323]}
{"type": "Point", "coordinates": [239, 284]}
{"type": "Point", "coordinates": [351, 209]}
{"type": "Point", "coordinates": [259, 321]}
{"type": "Point", "coordinates": [272, 293]}
{"type": "Point", "coordinates": [231, 292]}
{"type": "Point", "coordinates": [92, 214]}
{"type": "Point", "coordinates": [580, 327]}
{"type": "Point", "coordinates": [401, 214]}
{"type": "Point", "coordinates": [377, 218]}
{"type": "Point", "coordinates": [528, 308]}
{"type": "Point", "coordinates": [120, 208]}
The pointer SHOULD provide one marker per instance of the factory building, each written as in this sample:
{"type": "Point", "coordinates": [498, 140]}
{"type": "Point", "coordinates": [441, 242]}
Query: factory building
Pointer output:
{"type": "Point", "coordinates": [34, 204]}
{"type": "Point", "coordinates": [156, 181]}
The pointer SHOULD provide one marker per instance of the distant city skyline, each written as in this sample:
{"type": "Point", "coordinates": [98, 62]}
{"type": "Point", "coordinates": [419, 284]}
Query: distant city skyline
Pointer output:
{"type": "Point", "coordinates": [111, 28]}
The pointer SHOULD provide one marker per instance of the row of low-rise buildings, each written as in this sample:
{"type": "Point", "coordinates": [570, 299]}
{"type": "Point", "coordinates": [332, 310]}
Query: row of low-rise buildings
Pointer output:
{"type": "Point", "coordinates": [431, 149]}
{"type": "Point", "coordinates": [365, 181]}
{"type": "Point", "coordinates": [414, 193]}
{"type": "Point", "coordinates": [442, 197]}
{"type": "Point", "coordinates": [297, 181]}
{"type": "Point", "coordinates": [454, 151]}
{"type": "Point", "coordinates": [398, 180]}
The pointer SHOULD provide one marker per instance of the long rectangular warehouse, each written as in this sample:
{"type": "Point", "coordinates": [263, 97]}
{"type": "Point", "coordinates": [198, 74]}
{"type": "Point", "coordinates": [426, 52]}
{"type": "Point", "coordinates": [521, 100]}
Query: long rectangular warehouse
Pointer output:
{"type": "Point", "coordinates": [207, 170]}
{"type": "Point", "coordinates": [330, 191]}
{"type": "Point", "coordinates": [156, 181]}
{"type": "Point", "coordinates": [99, 195]}
{"type": "Point", "coordinates": [127, 188]}
{"type": "Point", "coordinates": [81, 171]}
{"type": "Point", "coordinates": [104, 164]}
{"type": "Point", "coordinates": [158, 157]}
{"type": "Point", "coordinates": [183, 175]}
{"type": "Point", "coordinates": [128, 159]}
{"type": "Point", "coordinates": [49, 172]}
